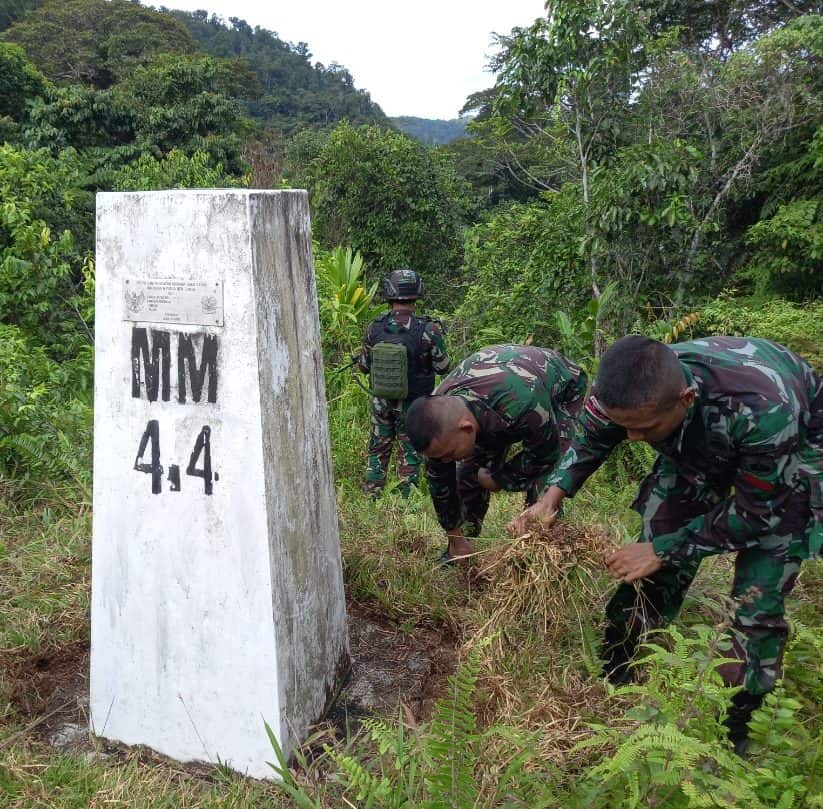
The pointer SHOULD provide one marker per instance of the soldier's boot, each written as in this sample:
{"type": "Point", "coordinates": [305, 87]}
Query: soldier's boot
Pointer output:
{"type": "Point", "coordinates": [373, 488]}
{"type": "Point", "coordinates": [617, 653]}
{"type": "Point", "coordinates": [742, 706]}
{"type": "Point", "coordinates": [471, 530]}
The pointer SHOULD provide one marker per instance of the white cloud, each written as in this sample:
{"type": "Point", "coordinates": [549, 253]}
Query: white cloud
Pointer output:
{"type": "Point", "coordinates": [420, 58]}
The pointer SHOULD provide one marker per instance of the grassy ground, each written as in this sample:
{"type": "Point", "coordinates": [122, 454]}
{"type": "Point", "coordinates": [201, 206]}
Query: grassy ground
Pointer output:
{"type": "Point", "coordinates": [539, 604]}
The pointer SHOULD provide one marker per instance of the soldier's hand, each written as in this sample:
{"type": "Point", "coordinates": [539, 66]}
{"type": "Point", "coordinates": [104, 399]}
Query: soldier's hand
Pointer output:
{"type": "Point", "coordinates": [485, 479]}
{"type": "Point", "coordinates": [632, 562]}
{"type": "Point", "coordinates": [541, 515]}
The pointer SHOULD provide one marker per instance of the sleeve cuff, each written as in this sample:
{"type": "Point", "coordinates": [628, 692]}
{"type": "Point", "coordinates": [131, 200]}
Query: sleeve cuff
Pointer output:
{"type": "Point", "coordinates": [563, 480]}
{"type": "Point", "coordinates": [672, 548]}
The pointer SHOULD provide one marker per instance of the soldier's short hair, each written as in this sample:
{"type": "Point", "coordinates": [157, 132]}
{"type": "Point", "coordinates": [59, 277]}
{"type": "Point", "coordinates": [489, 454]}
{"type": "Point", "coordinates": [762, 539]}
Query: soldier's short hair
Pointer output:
{"type": "Point", "coordinates": [429, 417]}
{"type": "Point", "coordinates": [636, 371]}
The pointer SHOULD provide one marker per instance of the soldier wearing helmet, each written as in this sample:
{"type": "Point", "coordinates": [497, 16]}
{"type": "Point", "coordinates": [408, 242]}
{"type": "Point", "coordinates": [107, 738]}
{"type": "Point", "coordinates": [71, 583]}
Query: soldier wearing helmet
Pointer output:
{"type": "Point", "coordinates": [402, 351]}
{"type": "Point", "coordinates": [403, 286]}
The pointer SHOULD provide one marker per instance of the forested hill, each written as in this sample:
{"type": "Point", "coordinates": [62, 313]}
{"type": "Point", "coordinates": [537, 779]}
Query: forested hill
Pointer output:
{"type": "Point", "coordinates": [101, 43]}
{"type": "Point", "coordinates": [293, 93]}
{"type": "Point", "coordinates": [13, 10]}
{"type": "Point", "coordinates": [431, 131]}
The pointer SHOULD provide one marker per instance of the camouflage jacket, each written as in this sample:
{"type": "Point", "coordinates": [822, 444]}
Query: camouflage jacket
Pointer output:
{"type": "Point", "coordinates": [514, 392]}
{"type": "Point", "coordinates": [432, 341]}
{"type": "Point", "coordinates": [756, 427]}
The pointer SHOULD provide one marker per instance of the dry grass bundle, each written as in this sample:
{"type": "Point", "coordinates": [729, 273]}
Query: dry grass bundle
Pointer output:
{"type": "Point", "coordinates": [557, 708]}
{"type": "Point", "coordinates": [544, 592]}
{"type": "Point", "coordinates": [544, 584]}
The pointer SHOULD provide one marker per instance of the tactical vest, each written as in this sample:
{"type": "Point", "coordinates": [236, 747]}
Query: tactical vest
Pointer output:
{"type": "Point", "coordinates": [385, 367]}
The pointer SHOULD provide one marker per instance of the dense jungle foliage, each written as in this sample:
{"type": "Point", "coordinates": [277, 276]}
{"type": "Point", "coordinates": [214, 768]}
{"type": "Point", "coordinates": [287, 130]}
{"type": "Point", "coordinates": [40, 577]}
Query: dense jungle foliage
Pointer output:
{"type": "Point", "coordinates": [653, 167]}
{"type": "Point", "coordinates": [293, 92]}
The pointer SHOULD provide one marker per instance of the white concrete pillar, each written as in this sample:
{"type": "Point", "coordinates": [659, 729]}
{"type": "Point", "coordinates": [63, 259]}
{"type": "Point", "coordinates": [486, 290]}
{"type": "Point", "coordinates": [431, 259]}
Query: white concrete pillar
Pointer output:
{"type": "Point", "coordinates": [217, 590]}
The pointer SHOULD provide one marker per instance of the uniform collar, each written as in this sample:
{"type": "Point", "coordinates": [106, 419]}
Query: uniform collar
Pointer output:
{"type": "Point", "coordinates": [475, 406]}
{"type": "Point", "coordinates": [674, 442]}
{"type": "Point", "coordinates": [485, 415]}
{"type": "Point", "coordinates": [402, 317]}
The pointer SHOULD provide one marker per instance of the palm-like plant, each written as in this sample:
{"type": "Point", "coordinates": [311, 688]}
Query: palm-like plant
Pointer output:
{"type": "Point", "coordinates": [346, 304]}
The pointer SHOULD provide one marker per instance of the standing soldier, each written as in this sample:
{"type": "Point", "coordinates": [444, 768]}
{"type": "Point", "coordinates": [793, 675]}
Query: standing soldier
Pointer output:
{"type": "Point", "coordinates": [401, 352]}
{"type": "Point", "coordinates": [738, 425]}
{"type": "Point", "coordinates": [500, 396]}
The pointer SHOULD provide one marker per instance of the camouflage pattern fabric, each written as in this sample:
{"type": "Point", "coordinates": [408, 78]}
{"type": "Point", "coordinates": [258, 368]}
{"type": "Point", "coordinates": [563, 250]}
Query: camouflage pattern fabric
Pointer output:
{"type": "Point", "coordinates": [388, 415]}
{"type": "Point", "coordinates": [764, 576]}
{"type": "Point", "coordinates": [474, 499]}
{"type": "Point", "coordinates": [388, 425]}
{"type": "Point", "coordinates": [744, 473]}
{"type": "Point", "coordinates": [518, 394]}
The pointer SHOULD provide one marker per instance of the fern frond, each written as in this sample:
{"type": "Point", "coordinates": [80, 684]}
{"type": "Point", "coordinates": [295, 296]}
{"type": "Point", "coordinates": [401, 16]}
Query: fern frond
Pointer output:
{"type": "Point", "coordinates": [368, 788]}
{"type": "Point", "coordinates": [50, 452]}
{"type": "Point", "coordinates": [655, 763]}
{"type": "Point", "coordinates": [452, 738]}
{"type": "Point", "coordinates": [779, 744]}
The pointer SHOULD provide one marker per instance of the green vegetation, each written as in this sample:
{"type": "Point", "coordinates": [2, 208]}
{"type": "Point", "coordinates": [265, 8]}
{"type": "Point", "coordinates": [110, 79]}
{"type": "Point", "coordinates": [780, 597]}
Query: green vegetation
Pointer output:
{"type": "Point", "coordinates": [293, 93]}
{"type": "Point", "coordinates": [96, 42]}
{"type": "Point", "coordinates": [672, 168]}
{"type": "Point", "coordinates": [386, 196]}
{"type": "Point", "coordinates": [653, 167]}
{"type": "Point", "coordinates": [661, 748]}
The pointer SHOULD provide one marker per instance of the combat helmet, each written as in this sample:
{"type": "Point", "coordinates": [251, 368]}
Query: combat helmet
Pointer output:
{"type": "Point", "coordinates": [403, 285]}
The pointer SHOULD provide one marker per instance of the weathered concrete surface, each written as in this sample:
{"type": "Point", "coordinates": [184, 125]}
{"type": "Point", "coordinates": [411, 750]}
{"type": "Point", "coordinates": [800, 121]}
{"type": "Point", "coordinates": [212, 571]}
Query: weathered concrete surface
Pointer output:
{"type": "Point", "coordinates": [212, 612]}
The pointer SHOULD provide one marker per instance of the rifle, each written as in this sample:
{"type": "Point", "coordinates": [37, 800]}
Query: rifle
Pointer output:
{"type": "Point", "coordinates": [350, 366]}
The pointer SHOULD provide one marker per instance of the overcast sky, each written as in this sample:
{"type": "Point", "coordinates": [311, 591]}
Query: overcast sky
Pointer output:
{"type": "Point", "coordinates": [415, 58]}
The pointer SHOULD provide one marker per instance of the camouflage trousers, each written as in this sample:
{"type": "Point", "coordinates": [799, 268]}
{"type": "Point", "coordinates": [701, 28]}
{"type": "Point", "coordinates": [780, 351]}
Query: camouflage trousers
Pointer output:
{"type": "Point", "coordinates": [388, 424]}
{"type": "Point", "coordinates": [764, 576]}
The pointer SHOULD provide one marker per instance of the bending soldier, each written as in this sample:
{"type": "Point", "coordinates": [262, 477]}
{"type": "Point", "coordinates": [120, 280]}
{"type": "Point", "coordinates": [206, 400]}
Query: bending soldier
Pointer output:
{"type": "Point", "coordinates": [402, 352]}
{"type": "Point", "coordinates": [500, 396]}
{"type": "Point", "coordinates": [738, 425]}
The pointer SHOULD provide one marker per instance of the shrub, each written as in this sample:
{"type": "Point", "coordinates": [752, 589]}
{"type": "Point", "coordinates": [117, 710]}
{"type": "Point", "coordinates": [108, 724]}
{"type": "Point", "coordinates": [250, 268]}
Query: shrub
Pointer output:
{"type": "Point", "coordinates": [797, 326]}
{"type": "Point", "coordinates": [524, 265]}
{"type": "Point", "coordinates": [45, 412]}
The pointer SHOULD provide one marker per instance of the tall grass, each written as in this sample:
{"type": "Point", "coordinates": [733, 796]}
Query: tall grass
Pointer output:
{"type": "Point", "coordinates": [527, 722]}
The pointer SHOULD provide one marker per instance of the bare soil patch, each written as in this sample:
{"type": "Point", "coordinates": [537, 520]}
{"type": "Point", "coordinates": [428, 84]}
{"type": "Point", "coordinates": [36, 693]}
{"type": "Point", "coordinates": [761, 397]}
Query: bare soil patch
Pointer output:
{"type": "Point", "coordinates": [390, 669]}
{"type": "Point", "coordinates": [51, 692]}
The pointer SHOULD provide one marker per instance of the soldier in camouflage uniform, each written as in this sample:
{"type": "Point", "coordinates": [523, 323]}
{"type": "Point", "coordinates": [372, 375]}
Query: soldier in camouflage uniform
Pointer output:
{"type": "Point", "coordinates": [426, 346]}
{"type": "Point", "coordinates": [738, 425]}
{"type": "Point", "coordinates": [500, 396]}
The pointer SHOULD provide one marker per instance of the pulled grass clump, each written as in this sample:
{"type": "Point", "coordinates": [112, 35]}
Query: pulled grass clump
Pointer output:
{"type": "Point", "coordinates": [544, 584]}
{"type": "Point", "coordinates": [541, 608]}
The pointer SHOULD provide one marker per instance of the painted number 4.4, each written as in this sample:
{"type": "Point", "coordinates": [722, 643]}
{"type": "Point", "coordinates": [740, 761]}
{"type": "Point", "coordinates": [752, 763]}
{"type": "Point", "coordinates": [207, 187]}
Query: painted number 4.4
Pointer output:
{"type": "Point", "coordinates": [202, 450]}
